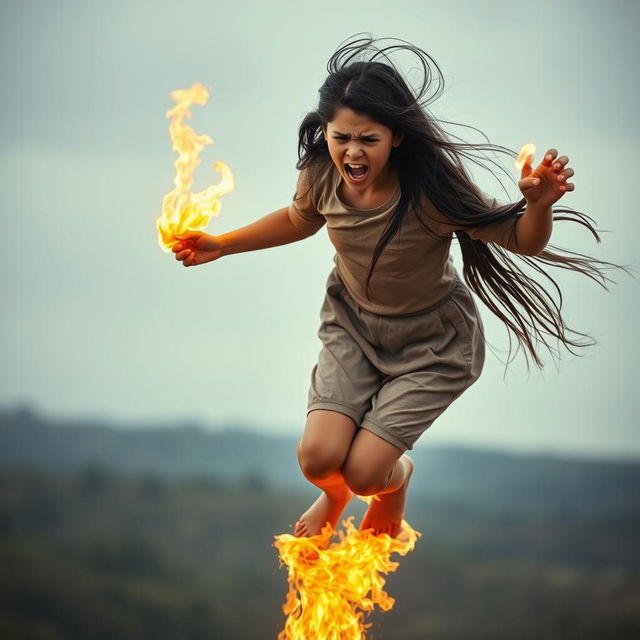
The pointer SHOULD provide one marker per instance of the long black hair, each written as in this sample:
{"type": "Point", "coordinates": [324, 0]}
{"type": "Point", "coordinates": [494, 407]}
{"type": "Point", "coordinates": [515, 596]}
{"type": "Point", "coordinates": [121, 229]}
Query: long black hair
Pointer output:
{"type": "Point", "coordinates": [428, 162]}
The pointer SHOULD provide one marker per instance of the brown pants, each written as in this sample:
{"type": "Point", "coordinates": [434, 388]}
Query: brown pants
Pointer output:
{"type": "Point", "coordinates": [394, 375]}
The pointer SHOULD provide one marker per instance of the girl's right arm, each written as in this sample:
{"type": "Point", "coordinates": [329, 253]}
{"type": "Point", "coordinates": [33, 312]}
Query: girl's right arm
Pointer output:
{"type": "Point", "coordinates": [274, 229]}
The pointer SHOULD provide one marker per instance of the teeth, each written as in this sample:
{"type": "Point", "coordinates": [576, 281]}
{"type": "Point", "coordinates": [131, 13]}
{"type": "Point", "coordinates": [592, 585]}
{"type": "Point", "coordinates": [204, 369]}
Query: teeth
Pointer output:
{"type": "Point", "coordinates": [356, 166]}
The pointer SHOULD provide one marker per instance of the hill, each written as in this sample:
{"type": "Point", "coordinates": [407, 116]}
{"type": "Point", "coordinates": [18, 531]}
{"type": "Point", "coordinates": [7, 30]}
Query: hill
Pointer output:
{"type": "Point", "coordinates": [487, 479]}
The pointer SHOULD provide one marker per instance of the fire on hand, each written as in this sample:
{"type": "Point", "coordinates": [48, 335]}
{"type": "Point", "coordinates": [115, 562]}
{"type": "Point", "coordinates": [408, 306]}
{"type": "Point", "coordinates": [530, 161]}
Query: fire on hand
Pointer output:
{"type": "Point", "coordinates": [182, 210]}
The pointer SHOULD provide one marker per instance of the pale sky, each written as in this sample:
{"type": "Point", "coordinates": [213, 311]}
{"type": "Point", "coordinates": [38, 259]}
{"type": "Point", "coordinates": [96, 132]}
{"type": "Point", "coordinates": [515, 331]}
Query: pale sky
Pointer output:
{"type": "Point", "coordinates": [97, 322]}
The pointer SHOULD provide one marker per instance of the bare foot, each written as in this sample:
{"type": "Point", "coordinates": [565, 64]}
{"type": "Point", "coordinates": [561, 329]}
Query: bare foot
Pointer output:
{"type": "Point", "coordinates": [323, 510]}
{"type": "Point", "coordinates": [385, 515]}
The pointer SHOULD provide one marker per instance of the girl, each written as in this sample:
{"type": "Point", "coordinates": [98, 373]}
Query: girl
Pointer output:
{"type": "Point", "coordinates": [402, 336]}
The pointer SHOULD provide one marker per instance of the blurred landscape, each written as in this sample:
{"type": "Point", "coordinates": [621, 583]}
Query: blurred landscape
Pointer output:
{"type": "Point", "coordinates": [168, 533]}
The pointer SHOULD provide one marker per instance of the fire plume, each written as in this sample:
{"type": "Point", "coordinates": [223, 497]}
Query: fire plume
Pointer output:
{"type": "Point", "coordinates": [525, 156]}
{"type": "Point", "coordinates": [181, 209]}
{"type": "Point", "coordinates": [331, 587]}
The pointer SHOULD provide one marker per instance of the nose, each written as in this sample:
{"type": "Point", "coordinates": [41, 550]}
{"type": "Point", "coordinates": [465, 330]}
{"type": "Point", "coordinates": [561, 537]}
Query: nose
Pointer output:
{"type": "Point", "coordinates": [354, 152]}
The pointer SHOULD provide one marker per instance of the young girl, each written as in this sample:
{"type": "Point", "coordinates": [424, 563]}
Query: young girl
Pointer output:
{"type": "Point", "coordinates": [402, 336]}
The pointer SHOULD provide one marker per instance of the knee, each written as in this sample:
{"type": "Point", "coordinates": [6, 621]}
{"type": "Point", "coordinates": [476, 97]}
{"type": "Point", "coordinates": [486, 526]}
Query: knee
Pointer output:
{"type": "Point", "coordinates": [362, 481]}
{"type": "Point", "coordinates": [318, 461]}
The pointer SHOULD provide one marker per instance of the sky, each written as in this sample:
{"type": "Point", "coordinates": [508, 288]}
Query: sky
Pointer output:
{"type": "Point", "coordinates": [99, 323]}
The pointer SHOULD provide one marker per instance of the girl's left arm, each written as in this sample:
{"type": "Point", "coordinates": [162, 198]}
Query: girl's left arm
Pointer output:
{"type": "Point", "coordinates": [542, 188]}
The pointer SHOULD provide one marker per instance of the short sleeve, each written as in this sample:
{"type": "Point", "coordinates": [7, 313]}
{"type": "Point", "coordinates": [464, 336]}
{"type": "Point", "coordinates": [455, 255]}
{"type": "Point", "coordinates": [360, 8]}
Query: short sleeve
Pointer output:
{"type": "Point", "coordinates": [303, 211]}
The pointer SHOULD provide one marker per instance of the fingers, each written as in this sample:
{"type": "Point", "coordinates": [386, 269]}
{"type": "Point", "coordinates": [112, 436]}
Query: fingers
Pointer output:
{"type": "Point", "coordinates": [186, 256]}
{"type": "Point", "coordinates": [563, 177]}
{"type": "Point", "coordinates": [188, 235]}
{"type": "Point", "coordinates": [550, 160]}
{"type": "Point", "coordinates": [560, 162]}
{"type": "Point", "coordinates": [563, 174]}
{"type": "Point", "coordinates": [560, 166]}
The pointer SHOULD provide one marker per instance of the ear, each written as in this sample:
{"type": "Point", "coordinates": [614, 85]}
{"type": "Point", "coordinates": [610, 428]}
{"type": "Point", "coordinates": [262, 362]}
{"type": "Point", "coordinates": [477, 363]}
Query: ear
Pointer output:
{"type": "Point", "coordinates": [397, 140]}
{"type": "Point", "coordinates": [324, 132]}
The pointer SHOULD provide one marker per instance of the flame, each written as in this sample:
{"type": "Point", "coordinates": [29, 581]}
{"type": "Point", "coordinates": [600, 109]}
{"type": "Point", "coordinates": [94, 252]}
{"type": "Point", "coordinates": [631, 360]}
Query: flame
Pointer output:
{"type": "Point", "coordinates": [523, 158]}
{"type": "Point", "coordinates": [331, 586]}
{"type": "Point", "coordinates": [181, 209]}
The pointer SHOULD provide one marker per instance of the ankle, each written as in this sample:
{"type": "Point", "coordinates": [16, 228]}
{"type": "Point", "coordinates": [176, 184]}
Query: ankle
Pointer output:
{"type": "Point", "coordinates": [337, 489]}
{"type": "Point", "coordinates": [333, 485]}
{"type": "Point", "coordinates": [338, 494]}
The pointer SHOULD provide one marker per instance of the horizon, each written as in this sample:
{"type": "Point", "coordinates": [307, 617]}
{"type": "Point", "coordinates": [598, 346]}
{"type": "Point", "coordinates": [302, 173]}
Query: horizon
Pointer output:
{"type": "Point", "coordinates": [29, 412]}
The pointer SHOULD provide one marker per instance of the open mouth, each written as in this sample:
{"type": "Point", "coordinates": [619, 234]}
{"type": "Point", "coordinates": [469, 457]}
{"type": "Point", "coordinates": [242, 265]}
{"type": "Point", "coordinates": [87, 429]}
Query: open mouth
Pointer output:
{"type": "Point", "coordinates": [356, 172]}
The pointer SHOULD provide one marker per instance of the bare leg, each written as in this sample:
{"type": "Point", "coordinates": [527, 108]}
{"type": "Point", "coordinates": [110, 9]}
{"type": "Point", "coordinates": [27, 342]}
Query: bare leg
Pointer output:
{"type": "Point", "coordinates": [377, 468]}
{"type": "Point", "coordinates": [328, 507]}
{"type": "Point", "coordinates": [321, 454]}
{"type": "Point", "coordinates": [386, 509]}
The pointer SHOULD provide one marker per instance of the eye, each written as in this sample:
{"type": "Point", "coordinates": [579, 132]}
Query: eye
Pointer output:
{"type": "Point", "coordinates": [367, 140]}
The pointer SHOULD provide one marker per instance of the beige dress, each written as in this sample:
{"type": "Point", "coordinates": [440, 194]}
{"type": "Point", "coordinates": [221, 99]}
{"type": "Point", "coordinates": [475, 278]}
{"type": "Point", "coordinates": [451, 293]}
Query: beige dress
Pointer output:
{"type": "Point", "coordinates": [395, 362]}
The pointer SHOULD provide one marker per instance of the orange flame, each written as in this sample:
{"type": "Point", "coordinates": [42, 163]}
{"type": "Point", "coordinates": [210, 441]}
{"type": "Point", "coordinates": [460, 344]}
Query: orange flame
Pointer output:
{"type": "Point", "coordinates": [331, 586]}
{"type": "Point", "coordinates": [523, 158]}
{"type": "Point", "coordinates": [181, 209]}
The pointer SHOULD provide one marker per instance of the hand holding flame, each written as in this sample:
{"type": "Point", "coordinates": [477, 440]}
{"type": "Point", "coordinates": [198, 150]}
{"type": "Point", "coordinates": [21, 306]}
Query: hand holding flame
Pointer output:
{"type": "Point", "coordinates": [186, 214]}
{"type": "Point", "coordinates": [547, 183]}
{"type": "Point", "coordinates": [196, 247]}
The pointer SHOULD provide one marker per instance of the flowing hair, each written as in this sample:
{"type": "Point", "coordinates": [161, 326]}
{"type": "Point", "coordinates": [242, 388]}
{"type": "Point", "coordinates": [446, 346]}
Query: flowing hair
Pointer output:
{"type": "Point", "coordinates": [428, 162]}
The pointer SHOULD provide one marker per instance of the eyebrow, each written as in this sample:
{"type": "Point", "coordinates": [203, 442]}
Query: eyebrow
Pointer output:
{"type": "Point", "coordinates": [364, 135]}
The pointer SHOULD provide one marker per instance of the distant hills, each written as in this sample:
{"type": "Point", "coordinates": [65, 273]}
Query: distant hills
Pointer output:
{"type": "Point", "coordinates": [487, 479]}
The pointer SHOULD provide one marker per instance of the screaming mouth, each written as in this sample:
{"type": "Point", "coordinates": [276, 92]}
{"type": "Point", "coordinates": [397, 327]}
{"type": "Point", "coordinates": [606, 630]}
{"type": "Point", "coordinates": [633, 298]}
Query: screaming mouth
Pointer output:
{"type": "Point", "coordinates": [356, 170]}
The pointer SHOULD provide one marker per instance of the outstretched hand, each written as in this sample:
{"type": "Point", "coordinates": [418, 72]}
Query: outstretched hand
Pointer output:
{"type": "Point", "coordinates": [547, 183]}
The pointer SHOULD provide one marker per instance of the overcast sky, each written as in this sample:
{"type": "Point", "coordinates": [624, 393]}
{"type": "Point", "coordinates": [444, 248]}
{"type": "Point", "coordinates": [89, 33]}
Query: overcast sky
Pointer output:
{"type": "Point", "coordinates": [98, 322]}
